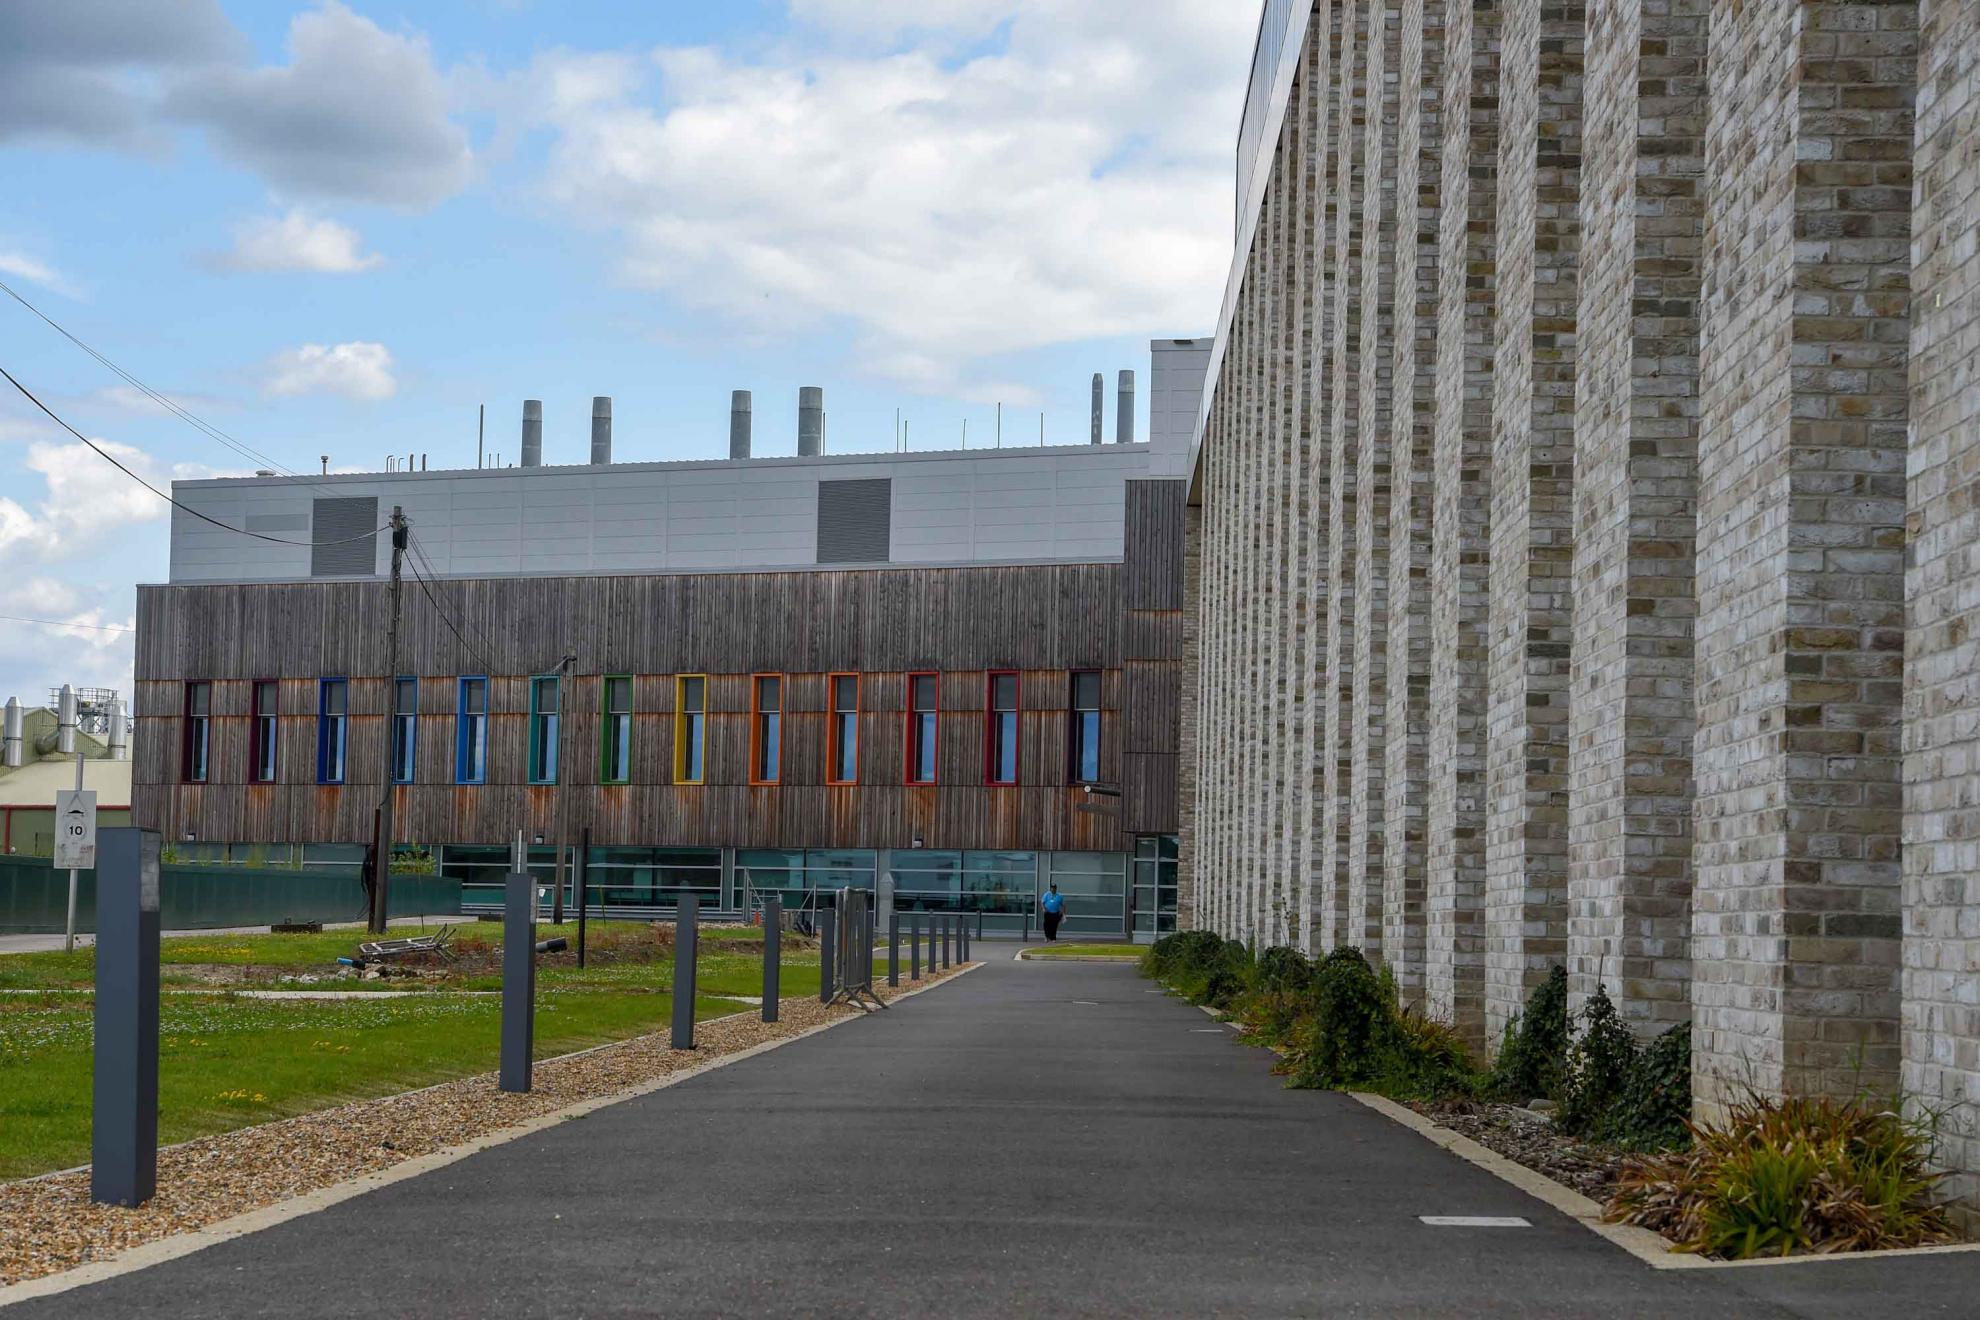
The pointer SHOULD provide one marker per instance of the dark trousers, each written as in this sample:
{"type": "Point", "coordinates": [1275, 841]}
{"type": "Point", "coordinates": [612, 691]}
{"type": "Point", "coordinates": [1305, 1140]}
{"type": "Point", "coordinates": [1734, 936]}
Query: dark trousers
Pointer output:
{"type": "Point", "coordinates": [1052, 920]}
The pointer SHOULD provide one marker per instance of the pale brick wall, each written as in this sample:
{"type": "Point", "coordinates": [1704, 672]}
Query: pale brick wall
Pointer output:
{"type": "Point", "coordinates": [1803, 403]}
{"type": "Point", "coordinates": [1461, 448]}
{"type": "Point", "coordinates": [1414, 376]}
{"type": "Point", "coordinates": [1941, 1014]}
{"type": "Point", "coordinates": [1532, 491]}
{"type": "Point", "coordinates": [1635, 489]}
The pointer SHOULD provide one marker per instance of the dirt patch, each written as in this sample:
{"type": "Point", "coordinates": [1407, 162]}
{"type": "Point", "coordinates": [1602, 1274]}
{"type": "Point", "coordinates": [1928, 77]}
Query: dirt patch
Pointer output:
{"type": "Point", "coordinates": [1532, 1140]}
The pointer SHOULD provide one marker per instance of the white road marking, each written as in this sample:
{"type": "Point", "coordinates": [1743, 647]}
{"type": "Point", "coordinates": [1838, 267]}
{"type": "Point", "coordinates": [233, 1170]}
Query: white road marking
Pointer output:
{"type": "Point", "coordinates": [1475, 1221]}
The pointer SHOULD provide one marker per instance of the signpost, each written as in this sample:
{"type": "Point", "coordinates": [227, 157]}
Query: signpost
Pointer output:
{"type": "Point", "coordinates": [75, 840]}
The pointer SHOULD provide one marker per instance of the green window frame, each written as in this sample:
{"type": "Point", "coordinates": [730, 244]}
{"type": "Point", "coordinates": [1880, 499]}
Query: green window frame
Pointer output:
{"type": "Point", "coordinates": [615, 707]}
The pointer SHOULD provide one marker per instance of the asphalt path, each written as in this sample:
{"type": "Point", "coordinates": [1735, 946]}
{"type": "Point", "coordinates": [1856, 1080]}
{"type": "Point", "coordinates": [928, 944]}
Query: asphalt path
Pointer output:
{"type": "Point", "coordinates": [1031, 1139]}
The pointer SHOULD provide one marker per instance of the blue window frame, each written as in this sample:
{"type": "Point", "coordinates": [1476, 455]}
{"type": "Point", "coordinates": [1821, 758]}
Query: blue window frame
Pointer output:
{"type": "Point", "coordinates": [405, 729]}
{"type": "Point", "coordinates": [544, 695]}
{"type": "Point", "coordinates": [332, 728]}
{"type": "Point", "coordinates": [471, 733]}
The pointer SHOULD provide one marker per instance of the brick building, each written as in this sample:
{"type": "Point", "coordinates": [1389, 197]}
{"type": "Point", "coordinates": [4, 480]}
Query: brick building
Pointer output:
{"type": "Point", "coordinates": [1582, 514]}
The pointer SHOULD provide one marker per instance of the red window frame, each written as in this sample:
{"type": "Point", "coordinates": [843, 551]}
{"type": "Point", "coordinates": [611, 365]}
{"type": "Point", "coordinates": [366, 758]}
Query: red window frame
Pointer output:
{"type": "Point", "coordinates": [756, 714]}
{"type": "Point", "coordinates": [913, 724]}
{"type": "Point", "coordinates": [255, 717]}
{"type": "Point", "coordinates": [187, 737]}
{"type": "Point", "coordinates": [990, 719]}
{"type": "Point", "coordinates": [835, 772]}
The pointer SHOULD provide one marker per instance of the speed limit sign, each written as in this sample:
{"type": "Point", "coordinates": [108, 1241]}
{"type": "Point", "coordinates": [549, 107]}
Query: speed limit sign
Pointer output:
{"type": "Point", "coordinates": [75, 829]}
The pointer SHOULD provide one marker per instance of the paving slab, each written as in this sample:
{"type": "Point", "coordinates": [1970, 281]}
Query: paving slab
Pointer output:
{"type": "Point", "coordinates": [1034, 1138]}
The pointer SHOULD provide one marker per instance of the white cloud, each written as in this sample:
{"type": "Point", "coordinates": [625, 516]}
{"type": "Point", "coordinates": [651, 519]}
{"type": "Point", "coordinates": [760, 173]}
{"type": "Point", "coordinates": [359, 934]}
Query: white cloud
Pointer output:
{"type": "Point", "coordinates": [361, 371]}
{"type": "Point", "coordinates": [84, 71]}
{"type": "Point", "coordinates": [86, 499]}
{"type": "Point", "coordinates": [358, 113]}
{"type": "Point", "coordinates": [298, 241]}
{"type": "Point", "coordinates": [131, 399]}
{"type": "Point", "coordinates": [22, 266]}
{"type": "Point", "coordinates": [1070, 179]}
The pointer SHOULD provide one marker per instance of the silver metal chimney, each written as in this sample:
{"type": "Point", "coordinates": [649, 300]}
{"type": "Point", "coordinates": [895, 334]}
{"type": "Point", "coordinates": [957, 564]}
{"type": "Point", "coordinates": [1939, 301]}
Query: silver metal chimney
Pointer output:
{"type": "Point", "coordinates": [65, 722]}
{"type": "Point", "coordinates": [1099, 403]}
{"type": "Point", "coordinates": [740, 416]}
{"type": "Point", "coordinates": [1124, 423]}
{"type": "Point", "coordinates": [120, 732]}
{"type": "Point", "coordinates": [12, 728]}
{"type": "Point", "coordinates": [811, 421]}
{"type": "Point", "coordinates": [532, 433]}
{"type": "Point", "coordinates": [601, 430]}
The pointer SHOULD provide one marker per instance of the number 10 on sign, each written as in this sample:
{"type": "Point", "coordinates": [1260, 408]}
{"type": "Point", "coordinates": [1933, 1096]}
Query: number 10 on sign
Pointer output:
{"type": "Point", "coordinates": [75, 829]}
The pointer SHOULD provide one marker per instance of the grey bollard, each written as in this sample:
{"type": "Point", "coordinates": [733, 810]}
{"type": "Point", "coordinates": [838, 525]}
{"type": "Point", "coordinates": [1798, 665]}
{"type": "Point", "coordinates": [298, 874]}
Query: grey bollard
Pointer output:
{"type": "Point", "coordinates": [773, 956]}
{"type": "Point", "coordinates": [123, 1136]}
{"type": "Point", "coordinates": [687, 917]}
{"type": "Point", "coordinates": [914, 948]}
{"type": "Point", "coordinates": [948, 929]}
{"type": "Point", "coordinates": [963, 933]}
{"type": "Point", "coordinates": [894, 948]}
{"type": "Point", "coordinates": [826, 929]}
{"type": "Point", "coordinates": [518, 981]}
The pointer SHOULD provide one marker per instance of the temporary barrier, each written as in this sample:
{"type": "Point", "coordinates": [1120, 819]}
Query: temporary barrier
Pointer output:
{"type": "Point", "coordinates": [850, 937]}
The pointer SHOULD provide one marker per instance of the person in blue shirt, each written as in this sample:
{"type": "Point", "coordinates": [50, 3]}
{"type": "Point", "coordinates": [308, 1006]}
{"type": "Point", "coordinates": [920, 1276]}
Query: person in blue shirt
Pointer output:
{"type": "Point", "coordinates": [1054, 904]}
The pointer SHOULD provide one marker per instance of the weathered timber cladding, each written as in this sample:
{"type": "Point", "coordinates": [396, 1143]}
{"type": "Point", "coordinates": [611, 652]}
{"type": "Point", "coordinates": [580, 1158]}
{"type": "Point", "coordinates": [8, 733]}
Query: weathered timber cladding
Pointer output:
{"type": "Point", "coordinates": [1041, 621]}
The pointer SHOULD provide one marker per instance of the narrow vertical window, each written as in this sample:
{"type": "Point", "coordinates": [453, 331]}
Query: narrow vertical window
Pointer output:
{"type": "Point", "coordinates": [921, 728]}
{"type": "Point", "coordinates": [767, 733]}
{"type": "Point", "coordinates": [194, 757]}
{"type": "Point", "coordinates": [471, 736]}
{"type": "Point", "coordinates": [265, 731]}
{"type": "Point", "coordinates": [1086, 726]}
{"type": "Point", "coordinates": [615, 754]}
{"type": "Point", "coordinates": [690, 724]}
{"type": "Point", "coordinates": [405, 728]}
{"type": "Point", "coordinates": [844, 768]}
{"type": "Point", "coordinates": [544, 694]}
{"type": "Point", "coordinates": [1001, 736]}
{"type": "Point", "coordinates": [332, 723]}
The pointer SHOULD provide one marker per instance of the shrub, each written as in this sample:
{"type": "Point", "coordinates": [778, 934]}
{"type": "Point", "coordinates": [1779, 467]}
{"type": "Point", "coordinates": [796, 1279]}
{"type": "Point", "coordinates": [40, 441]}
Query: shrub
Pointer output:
{"type": "Point", "coordinates": [1283, 970]}
{"type": "Point", "coordinates": [1596, 1069]}
{"type": "Point", "coordinates": [1654, 1110]}
{"type": "Point", "coordinates": [1784, 1176]}
{"type": "Point", "coordinates": [1533, 1052]}
{"type": "Point", "coordinates": [1352, 1021]}
{"type": "Point", "coordinates": [1428, 1060]}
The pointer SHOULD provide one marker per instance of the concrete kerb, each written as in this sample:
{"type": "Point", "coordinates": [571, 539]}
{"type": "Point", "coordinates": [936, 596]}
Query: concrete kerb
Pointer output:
{"type": "Point", "coordinates": [269, 1216]}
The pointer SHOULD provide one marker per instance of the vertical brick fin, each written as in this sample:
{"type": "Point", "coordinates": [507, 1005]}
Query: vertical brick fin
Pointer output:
{"type": "Point", "coordinates": [1635, 493]}
{"type": "Point", "coordinates": [1461, 448]}
{"type": "Point", "coordinates": [1942, 592]}
{"type": "Point", "coordinates": [1803, 405]}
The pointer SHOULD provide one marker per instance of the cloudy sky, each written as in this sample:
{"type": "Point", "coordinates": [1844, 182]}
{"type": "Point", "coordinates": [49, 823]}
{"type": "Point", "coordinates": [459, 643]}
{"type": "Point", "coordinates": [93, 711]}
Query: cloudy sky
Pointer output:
{"type": "Point", "coordinates": [339, 227]}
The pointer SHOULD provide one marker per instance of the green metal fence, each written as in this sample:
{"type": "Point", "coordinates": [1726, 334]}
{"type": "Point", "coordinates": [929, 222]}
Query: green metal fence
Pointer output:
{"type": "Point", "coordinates": [34, 896]}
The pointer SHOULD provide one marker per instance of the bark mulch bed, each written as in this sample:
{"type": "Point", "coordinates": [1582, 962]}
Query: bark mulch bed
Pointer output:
{"type": "Point", "coordinates": [48, 1224]}
{"type": "Point", "coordinates": [1532, 1140]}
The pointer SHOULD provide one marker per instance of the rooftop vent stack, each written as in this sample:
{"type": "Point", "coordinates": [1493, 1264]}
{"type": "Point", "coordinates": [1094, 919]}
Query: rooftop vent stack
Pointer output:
{"type": "Point", "coordinates": [811, 421]}
{"type": "Point", "coordinates": [1099, 403]}
{"type": "Point", "coordinates": [532, 433]}
{"type": "Point", "coordinates": [601, 430]}
{"type": "Point", "coordinates": [120, 732]}
{"type": "Point", "coordinates": [1124, 422]}
{"type": "Point", "coordinates": [739, 420]}
{"type": "Point", "coordinates": [65, 722]}
{"type": "Point", "coordinates": [13, 731]}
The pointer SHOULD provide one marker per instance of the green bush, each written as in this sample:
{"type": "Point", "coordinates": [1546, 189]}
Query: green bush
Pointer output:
{"type": "Point", "coordinates": [1597, 1067]}
{"type": "Point", "coordinates": [1283, 970]}
{"type": "Point", "coordinates": [1533, 1052]}
{"type": "Point", "coordinates": [1791, 1175]}
{"type": "Point", "coordinates": [1654, 1110]}
{"type": "Point", "coordinates": [1352, 1023]}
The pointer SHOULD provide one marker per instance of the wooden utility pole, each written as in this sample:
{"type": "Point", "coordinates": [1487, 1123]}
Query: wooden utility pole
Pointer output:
{"type": "Point", "coordinates": [382, 857]}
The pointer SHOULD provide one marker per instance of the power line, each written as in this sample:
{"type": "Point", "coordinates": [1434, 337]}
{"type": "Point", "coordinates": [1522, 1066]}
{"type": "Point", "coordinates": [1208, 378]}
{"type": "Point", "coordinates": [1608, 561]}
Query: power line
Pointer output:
{"type": "Point", "coordinates": [172, 406]}
{"type": "Point", "coordinates": [433, 574]}
{"type": "Point", "coordinates": [57, 623]}
{"type": "Point", "coordinates": [447, 618]}
{"type": "Point", "coordinates": [111, 459]}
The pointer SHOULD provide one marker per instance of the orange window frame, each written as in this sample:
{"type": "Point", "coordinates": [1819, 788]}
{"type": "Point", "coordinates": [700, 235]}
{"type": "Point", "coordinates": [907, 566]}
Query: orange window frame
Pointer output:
{"type": "Point", "coordinates": [992, 716]}
{"type": "Point", "coordinates": [756, 714]}
{"type": "Point", "coordinates": [835, 771]}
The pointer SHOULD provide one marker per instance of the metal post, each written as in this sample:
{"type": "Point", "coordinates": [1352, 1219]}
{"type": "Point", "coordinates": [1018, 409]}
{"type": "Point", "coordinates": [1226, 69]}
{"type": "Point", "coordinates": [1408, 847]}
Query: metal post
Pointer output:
{"type": "Point", "coordinates": [773, 956]}
{"type": "Point", "coordinates": [69, 938]}
{"type": "Point", "coordinates": [686, 923]}
{"type": "Point", "coordinates": [962, 938]}
{"type": "Point", "coordinates": [914, 946]}
{"type": "Point", "coordinates": [583, 866]}
{"type": "Point", "coordinates": [518, 981]}
{"type": "Point", "coordinates": [124, 1092]}
{"type": "Point", "coordinates": [894, 949]}
{"type": "Point", "coordinates": [948, 929]}
{"type": "Point", "coordinates": [825, 951]}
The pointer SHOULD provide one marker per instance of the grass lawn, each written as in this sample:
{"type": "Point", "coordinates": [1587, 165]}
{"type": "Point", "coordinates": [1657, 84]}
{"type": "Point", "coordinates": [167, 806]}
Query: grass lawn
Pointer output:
{"type": "Point", "coordinates": [1125, 952]}
{"type": "Point", "coordinates": [228, 1062]}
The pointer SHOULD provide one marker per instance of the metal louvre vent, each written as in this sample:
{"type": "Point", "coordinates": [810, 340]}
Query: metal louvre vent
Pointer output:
{"type": "Point", "coordinates": [855, 521]}
{"type": "Point", "coordinates": [333, 524]}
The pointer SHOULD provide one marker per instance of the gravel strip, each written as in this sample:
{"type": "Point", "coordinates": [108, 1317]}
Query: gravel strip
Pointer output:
{"type": "Point", "coordinates": [1532, 1140]}
{"type": "Point", "coordinates": [48, 1224]}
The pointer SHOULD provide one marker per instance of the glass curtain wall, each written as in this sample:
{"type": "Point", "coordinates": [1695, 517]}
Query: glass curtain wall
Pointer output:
{"type": "Point", "coordinates": [1153, 898]}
